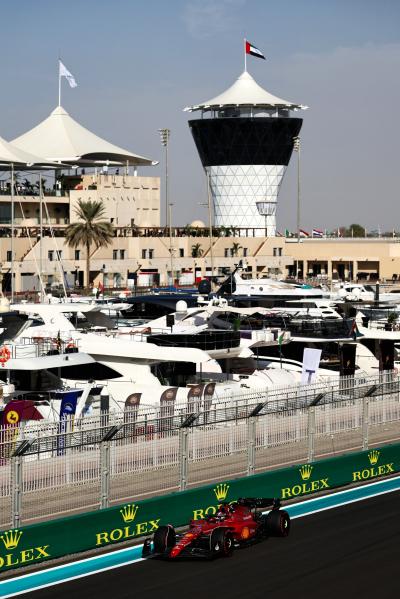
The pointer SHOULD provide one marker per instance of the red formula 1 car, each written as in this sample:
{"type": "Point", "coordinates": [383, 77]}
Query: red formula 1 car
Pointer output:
{"type": "Point", "coordinates": [237, 524]}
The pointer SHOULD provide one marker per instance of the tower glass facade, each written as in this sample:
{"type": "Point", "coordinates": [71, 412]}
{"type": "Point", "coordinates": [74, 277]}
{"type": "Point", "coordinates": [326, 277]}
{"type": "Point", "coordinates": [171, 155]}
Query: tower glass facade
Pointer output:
{"type": "Point", "coordinates": [246, 159]}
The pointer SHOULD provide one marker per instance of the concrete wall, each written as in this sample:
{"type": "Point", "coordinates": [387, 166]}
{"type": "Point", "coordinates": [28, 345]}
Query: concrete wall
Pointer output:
{"type": "Point", "coordinates": [128, 200]}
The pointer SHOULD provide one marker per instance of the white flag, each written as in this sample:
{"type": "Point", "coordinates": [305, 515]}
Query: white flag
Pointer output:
{"type": "Point", "coordinates": [64, 72]}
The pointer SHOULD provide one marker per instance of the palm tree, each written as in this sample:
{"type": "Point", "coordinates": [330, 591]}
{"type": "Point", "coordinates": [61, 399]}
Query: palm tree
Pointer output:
{"type": "Point", "coordinates": [235, 248]}
{"type": "Point", "coordinates": [91, 230]}
{"type": "Point", "coordinates": [197, 250]}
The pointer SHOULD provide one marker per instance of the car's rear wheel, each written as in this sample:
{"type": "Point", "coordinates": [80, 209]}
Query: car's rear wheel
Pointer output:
{"type": "Point", "coordinates": [277, 523]}
{"type": "Point", "coordinates": [164, 539]}
{"type": "Point", "coordinates": [221, 543]}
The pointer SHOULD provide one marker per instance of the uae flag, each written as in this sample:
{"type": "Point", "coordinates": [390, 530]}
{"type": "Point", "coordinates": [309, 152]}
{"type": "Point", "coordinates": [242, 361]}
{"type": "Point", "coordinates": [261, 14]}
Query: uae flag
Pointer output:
{"type": "Point", "coordinates": [250, 49]}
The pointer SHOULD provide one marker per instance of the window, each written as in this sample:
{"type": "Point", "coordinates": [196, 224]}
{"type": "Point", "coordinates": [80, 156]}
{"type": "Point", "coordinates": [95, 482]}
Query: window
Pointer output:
{"type": "Point", "coordinates": [122, 254]}
{"type": "Point", "coordinates": [144, 253]}
{"type": "Point", "coordinates": [226, 252]}
{"type": "Point", "coordinates": [50, 255]}
{"type": "Point", "coordinates": [59, 254]}
{"type": "Point", "coordinates": [151, 254]}
{"type": "Point", "coordinates": [115, 254]}
{"type": "Point", "coordinates": [77, 254]}
{"type": "Point", "coordinates": [277, 251]}
{"type": "Point", "coordinates": [9, 255]}
{"type": "Point", "coordinates": [245, 250]}
{"type": "Point", "coordinates": [181, 253]}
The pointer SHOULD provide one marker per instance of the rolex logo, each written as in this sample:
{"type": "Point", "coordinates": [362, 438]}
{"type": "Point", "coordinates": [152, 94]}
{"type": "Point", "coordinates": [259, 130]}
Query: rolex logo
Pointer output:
{"type": "Point", "coordinates": [11, 538]}
{"type": "Point", "coordinates": [129, 512]}
{"type": "Point", "coordinates": [221, 491]}
{"type": "Point", "coordinates": [373, 456]}
{"type": "Point", "coordinates": [305, 471]}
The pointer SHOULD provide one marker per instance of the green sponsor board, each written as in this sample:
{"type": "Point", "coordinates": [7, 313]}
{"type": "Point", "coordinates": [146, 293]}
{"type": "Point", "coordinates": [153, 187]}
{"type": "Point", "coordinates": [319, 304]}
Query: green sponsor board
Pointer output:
{"type": "Point", "coordinates": [56, 538]}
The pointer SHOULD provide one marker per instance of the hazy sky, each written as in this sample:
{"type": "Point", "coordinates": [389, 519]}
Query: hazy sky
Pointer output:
{"type": "Point", "coordinates": [138, 64]}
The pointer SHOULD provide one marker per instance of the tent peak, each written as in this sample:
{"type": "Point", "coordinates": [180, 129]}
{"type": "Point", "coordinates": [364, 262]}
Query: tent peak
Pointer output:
{"type": "Point", "coordinates": [59, 110]}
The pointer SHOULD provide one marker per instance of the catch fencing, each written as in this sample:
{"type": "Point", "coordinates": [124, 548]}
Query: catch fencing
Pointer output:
{"type": "Point", "coordinates": [48, 470]}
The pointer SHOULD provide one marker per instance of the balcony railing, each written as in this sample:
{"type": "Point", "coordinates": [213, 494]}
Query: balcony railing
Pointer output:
{"type": "Point", "coordinates": [32, 193]}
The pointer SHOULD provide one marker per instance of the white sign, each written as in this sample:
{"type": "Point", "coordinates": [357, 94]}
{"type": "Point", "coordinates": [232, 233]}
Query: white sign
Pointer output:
{"type": "Point", "coordinates": [311, 358]}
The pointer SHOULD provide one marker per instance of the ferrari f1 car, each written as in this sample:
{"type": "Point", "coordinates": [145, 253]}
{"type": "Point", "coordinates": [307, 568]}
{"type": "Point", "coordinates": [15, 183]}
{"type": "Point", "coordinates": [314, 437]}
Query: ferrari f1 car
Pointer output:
{"type": "Point", "coordinates": [237, 524]}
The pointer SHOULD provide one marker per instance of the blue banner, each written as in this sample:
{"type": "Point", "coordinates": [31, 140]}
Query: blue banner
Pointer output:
{"type": "Point", "coordinates": [69, 399]}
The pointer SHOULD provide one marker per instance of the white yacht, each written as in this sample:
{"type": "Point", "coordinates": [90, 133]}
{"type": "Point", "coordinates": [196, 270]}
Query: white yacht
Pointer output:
{"type": "Point", "coordinates": [267, 288]}
{"type": "Point", "coordinates": [353, 292]}
{"type": "Point", "coordinates": [131, 370]}
{"type": "Point", "coordinates": [111, 306]}
{"type": "Point", "coordinates": [32, 380]}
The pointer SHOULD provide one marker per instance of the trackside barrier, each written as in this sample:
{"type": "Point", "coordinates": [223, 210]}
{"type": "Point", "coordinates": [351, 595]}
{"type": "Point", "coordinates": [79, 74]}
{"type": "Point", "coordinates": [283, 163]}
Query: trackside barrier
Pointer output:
{"type": "Point", "coordinates": [74, 534]}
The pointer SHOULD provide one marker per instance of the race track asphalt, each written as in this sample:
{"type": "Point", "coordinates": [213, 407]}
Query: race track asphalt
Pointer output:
{"type": "Point", "coordinates": [347, 552]}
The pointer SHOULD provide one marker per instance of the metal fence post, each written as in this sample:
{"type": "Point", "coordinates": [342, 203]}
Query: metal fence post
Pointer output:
{"type": "Point", "coordinates": [311, 433]}
{"type": "Point", "coordinates": [183, 457]}
{"type": "Point", "coordinates": [251, 444]}
{"type": "Point", "coordinates": [16, 491]}
{"type": "Point", "coordinates": [105, 474]}
{"type": "Point", "coordinates": [365, 422]}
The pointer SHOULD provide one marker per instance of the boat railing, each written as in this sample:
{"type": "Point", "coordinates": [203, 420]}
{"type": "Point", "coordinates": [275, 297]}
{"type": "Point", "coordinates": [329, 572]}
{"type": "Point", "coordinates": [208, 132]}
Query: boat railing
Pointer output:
{"type": "Point", "coordinates": [36, 347]}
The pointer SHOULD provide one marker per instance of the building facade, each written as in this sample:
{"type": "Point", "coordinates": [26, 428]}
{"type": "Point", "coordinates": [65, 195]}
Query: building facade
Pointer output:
{"type": "Point", "coordinates": [142, 257]}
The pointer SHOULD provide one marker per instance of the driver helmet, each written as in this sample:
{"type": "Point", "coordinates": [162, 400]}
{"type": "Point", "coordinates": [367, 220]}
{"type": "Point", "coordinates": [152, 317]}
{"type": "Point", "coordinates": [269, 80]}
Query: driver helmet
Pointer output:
{"type": "Point", "coordinates": [223, 511]}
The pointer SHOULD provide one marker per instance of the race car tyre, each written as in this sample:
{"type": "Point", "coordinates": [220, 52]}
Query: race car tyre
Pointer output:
{"type": "Point", "coordinates": [277, 523]}
{"type": "Point", "coordinates": [221, 543]}
{"type": "Point", "coordinates": [164, 539]}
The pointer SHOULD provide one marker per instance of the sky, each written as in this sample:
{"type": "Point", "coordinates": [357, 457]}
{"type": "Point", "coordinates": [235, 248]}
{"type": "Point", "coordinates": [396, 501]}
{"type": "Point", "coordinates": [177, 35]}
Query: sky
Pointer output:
{"type": "Point", "coordinates": [138, 64]}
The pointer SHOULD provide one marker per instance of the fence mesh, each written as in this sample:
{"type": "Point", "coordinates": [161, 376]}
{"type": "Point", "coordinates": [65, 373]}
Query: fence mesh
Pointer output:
{"type": "Point", "coordinates": [63, 468]}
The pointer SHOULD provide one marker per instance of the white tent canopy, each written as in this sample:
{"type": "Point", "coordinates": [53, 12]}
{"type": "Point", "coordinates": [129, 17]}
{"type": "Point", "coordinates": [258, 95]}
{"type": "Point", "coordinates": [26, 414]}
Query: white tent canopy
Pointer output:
{"type": "Point", "coordinates": [62, 139]}
{"type": "Point", "coordinates": [10, 154]}
{"type": "Point", "coordinates": [246, 92]}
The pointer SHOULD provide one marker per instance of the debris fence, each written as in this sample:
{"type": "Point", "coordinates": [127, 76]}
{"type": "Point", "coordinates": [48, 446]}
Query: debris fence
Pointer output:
{"type": "Point", "coordinates": [48, 470]}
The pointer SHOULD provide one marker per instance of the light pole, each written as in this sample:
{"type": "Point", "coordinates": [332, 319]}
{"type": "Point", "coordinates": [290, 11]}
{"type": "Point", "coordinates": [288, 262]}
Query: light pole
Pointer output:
{"type": "Point", "coordinates": [164, 136]}
{"type": "Point", "coordinates": [210, 230]}
{"type": "Point", "coordinates": [297, 148]}
{"type": "Point", "coordinates": [170, 242]}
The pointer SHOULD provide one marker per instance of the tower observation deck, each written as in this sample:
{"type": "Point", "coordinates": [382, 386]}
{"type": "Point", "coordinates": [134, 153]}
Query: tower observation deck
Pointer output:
{"type": "Point", "coordinates": [245, 139]}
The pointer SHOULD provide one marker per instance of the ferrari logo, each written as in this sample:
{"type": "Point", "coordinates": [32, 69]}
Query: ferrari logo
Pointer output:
{"type": "Point", "coordinates": [12, 417]}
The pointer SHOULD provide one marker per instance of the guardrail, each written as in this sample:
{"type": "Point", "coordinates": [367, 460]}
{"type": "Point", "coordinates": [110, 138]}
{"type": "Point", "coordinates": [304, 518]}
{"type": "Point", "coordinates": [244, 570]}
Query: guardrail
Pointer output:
{"type": "Point", "coordinates": [134, 519]}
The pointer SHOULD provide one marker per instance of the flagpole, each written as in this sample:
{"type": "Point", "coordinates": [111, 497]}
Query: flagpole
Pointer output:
{"type": "Point", "coordinates": [245, 56]}
{"type": "Point", "coordinates": [12, 232]}
{"type": "Point", "coordinates": [59, 84]}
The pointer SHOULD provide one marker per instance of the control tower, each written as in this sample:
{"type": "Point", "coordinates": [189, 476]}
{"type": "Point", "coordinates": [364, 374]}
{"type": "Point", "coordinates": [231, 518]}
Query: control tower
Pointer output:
{"type": "Point", "coordinates": [245, 139]}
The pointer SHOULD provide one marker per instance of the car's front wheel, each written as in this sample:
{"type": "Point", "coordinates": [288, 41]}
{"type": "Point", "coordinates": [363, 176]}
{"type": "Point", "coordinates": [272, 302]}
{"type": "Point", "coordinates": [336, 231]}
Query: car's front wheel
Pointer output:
{"type": "Point", "coordinates": [221, 543]}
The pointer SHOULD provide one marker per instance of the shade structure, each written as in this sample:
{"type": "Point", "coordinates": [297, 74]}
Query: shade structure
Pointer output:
{"type": "Point", "coordinates": [11, 155]}
{"type": "Point", "coordinates": [245, 91]}
{"type": "Point", "coordinates": [62, 139]}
